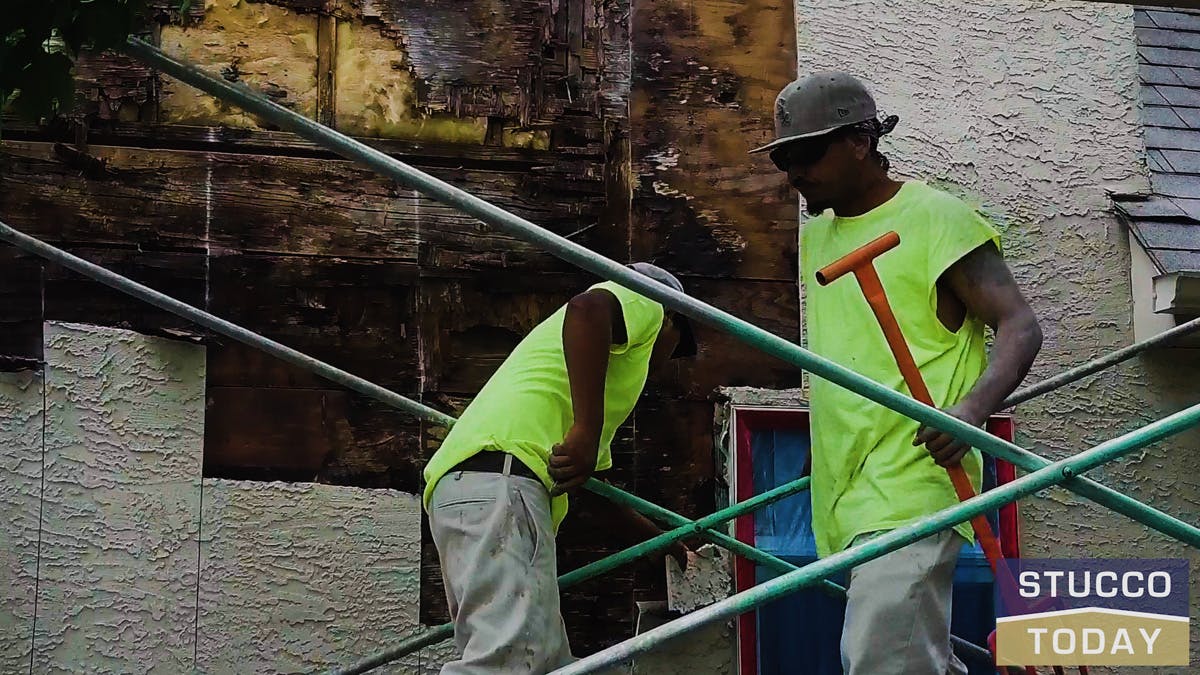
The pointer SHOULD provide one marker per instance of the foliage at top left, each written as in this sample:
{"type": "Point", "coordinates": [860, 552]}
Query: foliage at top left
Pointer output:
{"type": "Point", "coordinates": [40, 41]}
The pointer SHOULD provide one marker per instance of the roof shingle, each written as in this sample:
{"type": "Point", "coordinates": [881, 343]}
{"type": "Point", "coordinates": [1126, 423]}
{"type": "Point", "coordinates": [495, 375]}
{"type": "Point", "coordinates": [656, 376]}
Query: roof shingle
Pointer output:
{"type": "Point", "coordinates": [1167, 223]}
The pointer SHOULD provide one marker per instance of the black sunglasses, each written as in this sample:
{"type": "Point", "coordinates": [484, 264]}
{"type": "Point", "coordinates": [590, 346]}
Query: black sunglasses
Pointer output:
{"type": "Point", "coordinates": [805, 151]}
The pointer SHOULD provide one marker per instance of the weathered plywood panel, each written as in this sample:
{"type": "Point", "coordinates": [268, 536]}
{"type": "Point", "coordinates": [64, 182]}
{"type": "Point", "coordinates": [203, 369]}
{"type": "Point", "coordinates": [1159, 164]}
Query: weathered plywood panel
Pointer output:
{"type": "Point", "coordinates": [21, 318]}
{"type": "Point", "coordinates": [21, 425]}
{"type": "Point", "coordinates": [319, 435]}
{"type": "Point", "coordinates": [354, 314]}
{"type": "Point", "coordinates": [300, 578]}
{"type": "Point", "coordinates": [705, 77]}
{"type": "Point", "coordinates": [270, 48]}
{"type": "Point", "coordinates": [470, 326]}
{"type": "Point", "coordinates": [376, 93]}
{"type": "Point", "coordinates": [70, 297]}
{"type": "Point", "coordinates": [123, 437]}
{"type": "Point", "coordinates": [523, 63]}
{"type": "Point", "coordinates": [724, 360]}
{"type": "Point", "coordinates": [108, 195]}
{"type": "Point", "coordinates": [272, 204]}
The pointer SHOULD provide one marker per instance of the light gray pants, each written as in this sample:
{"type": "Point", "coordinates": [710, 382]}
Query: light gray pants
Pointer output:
{"type": "Point", "coordinates": [495, 542]}
{"type": "Point", "coordinates": [898, 611]}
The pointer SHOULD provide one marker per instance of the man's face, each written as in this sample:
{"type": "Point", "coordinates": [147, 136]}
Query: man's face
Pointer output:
{"type": "Point", "coordinates": [823, 169]}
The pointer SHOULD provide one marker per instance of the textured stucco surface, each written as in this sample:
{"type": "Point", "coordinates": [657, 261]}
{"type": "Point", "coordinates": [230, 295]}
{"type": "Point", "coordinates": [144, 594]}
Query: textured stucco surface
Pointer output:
{"type": "Point", "coordinates": [20, 493]}
{"type": "Point", "coordinates": [707, 579]}
{"type": "Point", "coordinates": [125, 415]}
{"type": "Point", "coordinates": [1030, 110]}
{"type": "Point", "coordinates": [295, 578]}
{"type": "Point", "coordinates": [709, 650]}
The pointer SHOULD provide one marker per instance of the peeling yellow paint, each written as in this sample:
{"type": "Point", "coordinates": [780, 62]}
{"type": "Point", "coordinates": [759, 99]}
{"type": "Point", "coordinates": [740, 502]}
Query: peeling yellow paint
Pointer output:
{"type": "Point", "coordinates": [274, 50]}
{"type": "Point", "coordinates": [376, 92]}
{"type": "Point", "coordinates": [271, 48]}
{"type": "Point", "coordinates": [534, 140]}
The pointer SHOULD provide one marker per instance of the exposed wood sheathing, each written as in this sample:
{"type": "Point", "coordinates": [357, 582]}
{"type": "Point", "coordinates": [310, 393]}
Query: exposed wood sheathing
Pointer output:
{"type": "Point", "coordinates": [270, 48]}
{"type": "Point", "coordinates": [377, 92]}
{"type": "Point", "coordinates": [563, 112]}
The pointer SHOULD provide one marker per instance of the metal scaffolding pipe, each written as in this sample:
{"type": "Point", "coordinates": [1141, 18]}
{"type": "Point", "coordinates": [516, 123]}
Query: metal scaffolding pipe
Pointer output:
{"type": "Point", "coordinates": [245, 98]}
{"type": "Point", "coordinates": [223, 327]}
{"type": "Point", "coordinates": [684, 528]}
{"type": "Point", "coordinates": [889, 541]}
{"type": "Point", "coordinates": [965, 649]}
{"type": "Point", "coordinates": [1096, 365]}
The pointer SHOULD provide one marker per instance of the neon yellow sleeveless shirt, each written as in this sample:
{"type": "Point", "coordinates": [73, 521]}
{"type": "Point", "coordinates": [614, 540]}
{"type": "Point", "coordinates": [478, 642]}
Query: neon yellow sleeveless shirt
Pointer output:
{"type": "Point", "coordinates": [525, 407]}
{"type": "Point", "coordinates": [866, 473]}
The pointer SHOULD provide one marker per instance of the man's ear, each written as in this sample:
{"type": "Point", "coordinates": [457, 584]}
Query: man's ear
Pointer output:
{"type": "Point", "coordinates": [860, 144]}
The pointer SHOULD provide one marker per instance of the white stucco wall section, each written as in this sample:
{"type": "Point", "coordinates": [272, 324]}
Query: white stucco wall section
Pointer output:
{"type": "Point", "coordinates": [299, 578]}
{"type": "Point", "coordinates": [121, 510]}
{"type": "Point", "coordinates": [293, 578]}
{"type": "Point", "coordinates": [20, 494]}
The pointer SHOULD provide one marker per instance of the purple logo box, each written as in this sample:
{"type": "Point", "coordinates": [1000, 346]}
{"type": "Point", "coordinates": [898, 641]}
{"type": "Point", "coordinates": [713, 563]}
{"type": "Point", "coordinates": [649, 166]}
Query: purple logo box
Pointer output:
{"type": "Point", "coordinates": [1036, 585]}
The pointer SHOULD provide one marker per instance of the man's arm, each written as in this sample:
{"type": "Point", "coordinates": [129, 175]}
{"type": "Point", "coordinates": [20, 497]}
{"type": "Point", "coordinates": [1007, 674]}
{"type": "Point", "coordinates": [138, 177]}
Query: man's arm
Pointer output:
{"type": "Point", "coordinates": [984, 285]}
{"type": "Point", "coordinates": [594, 322]}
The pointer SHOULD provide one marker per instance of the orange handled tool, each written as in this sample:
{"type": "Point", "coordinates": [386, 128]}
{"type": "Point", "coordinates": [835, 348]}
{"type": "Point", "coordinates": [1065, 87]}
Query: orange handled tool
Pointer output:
{"type": "Point", "coordinates": [861, 263]}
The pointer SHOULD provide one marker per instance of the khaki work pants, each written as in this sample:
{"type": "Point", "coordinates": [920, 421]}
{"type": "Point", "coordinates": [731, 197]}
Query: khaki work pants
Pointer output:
{"type": "Point", "coordinates": [898, 611]}
{"type": "Point", "coordinates": [495, 542]}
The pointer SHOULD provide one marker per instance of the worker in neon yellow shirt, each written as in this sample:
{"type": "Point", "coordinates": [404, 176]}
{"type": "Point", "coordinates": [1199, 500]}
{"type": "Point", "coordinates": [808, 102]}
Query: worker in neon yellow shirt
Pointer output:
{"type": "Point", "coordinates": [873, 469]}
{"type": "Point", "coordinates": [497, 488]}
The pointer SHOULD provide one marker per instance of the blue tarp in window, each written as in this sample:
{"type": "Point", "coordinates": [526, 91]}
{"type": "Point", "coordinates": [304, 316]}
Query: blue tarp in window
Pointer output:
{"type": "Point", "coordinates": [799, 635]}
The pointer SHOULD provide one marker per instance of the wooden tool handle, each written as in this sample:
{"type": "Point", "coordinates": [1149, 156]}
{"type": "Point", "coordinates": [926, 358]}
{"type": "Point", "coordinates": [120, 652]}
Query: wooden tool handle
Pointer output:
{"type": "Point", "coordinates": [872, 288]}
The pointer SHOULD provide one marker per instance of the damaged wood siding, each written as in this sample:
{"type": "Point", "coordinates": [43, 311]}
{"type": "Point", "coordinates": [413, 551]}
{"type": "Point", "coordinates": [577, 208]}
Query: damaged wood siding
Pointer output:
{"type": "Point", "coordinates": [704, 80]}
{"type": "Point", "coordinates": [628, 138]}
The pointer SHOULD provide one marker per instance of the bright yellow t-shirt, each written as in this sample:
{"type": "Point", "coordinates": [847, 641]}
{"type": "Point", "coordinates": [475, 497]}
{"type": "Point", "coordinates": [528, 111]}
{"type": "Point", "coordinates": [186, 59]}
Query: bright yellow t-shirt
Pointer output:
{"type": "Point", "coordinates": [866, 473]}
{"type": "Point", "coordinates": [525, 408]}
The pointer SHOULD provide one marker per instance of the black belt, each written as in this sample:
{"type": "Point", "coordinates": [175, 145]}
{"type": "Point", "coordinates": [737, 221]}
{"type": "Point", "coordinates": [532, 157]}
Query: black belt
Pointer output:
{"type": "Point", "coordinates": [490, 461]}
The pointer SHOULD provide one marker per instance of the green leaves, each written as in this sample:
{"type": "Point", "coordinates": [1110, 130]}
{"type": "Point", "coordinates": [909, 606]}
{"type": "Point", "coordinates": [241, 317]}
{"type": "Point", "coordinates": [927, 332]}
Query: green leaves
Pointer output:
{"type": "Point", "coordinates": [40, 40]}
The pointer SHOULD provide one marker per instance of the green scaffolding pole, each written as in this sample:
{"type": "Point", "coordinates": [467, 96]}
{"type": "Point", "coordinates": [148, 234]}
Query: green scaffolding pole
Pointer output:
{"type": "Point", "coordinates": [890, 541]}
{"type": "Point", "coordinates": [565, 249]}
{"type": "Point", "coordinates": [683, 526]}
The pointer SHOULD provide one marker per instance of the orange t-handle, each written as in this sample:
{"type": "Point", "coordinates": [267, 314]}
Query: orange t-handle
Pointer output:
{"type": "Point", "coordinates": [860, 262]}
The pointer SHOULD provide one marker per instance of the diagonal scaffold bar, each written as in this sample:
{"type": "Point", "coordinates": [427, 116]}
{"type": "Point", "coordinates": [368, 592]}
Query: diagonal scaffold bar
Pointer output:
{"type": "Point", "coordinates": [778, 587]}
{"type": "Point", "coordinates": [1096, 365]}
{"type": "Point", "coordinates": [769, 343]}
{"type": "Point", "coordinates": [683, 526]}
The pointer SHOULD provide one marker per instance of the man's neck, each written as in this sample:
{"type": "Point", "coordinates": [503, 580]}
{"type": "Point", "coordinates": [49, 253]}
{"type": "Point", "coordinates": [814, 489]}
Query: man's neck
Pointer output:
{"type": "Point", "coordinates": [874, 193]}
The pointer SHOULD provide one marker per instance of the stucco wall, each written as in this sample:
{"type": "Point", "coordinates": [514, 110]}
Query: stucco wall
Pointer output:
{"type": "Point", "coordinates": [1030, 110]}
{"type": "Point", "coordinates": [120, 506]}
{"type": "Point", "coordinates": [20, 493]}
{"type": "Point", "coordinates": [293, 578]}
{"type": "Point", "coordinates": [297, 578]}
